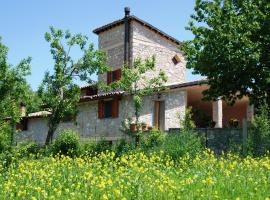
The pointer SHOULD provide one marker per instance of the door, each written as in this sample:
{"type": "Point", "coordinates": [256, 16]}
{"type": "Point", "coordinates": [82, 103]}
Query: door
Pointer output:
{"type": "Point", "coordinates": [159, 115]}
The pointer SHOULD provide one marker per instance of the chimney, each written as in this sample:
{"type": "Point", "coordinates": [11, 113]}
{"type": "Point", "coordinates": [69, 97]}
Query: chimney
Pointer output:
{"type": "Point", "coordinates": [127, 11]}
{"type": "Point", "coordinates": [23, 109]}
{"type": "Point", "coordinates": [127, 36]}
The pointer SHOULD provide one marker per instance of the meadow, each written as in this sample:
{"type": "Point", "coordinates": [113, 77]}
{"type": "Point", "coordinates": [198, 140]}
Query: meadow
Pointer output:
{"type": "Point", "coordinates": [137, 176]}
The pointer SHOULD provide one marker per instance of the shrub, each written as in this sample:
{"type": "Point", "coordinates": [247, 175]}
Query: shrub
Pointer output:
{"type": "Point", "coordinates": [4, 136]}
{"type": "Point", "coordinates": [26, 149]}
{"type": "Point", "coordinates": [67, 143]}
{"type": "Point", "coordinates": [178, 144]}
{"type": "Point", "coordinates": [96, 147]}
{"type": "Point", "coordinates": [151, 139]}
{"type": "Point", "coordinates": [259, 132]}
{"type": "Point", "coordinates": [122, 147]}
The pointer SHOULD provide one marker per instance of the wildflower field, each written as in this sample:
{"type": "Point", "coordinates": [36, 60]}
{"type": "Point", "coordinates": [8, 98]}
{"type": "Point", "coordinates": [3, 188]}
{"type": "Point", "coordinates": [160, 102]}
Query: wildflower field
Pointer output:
{"type": "Point", "coordinates": [137, 176]}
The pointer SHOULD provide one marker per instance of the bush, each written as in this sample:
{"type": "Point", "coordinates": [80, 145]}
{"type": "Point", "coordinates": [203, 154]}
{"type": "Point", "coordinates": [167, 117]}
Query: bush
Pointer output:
{"type": "Point", "coordinates": [151, 139]}
{"type": "Point", "coordinates": [67, 143]}
{"type": "Point", "coordinates": [5, 132]}
{"type": "Point", "coordinates": [96, 147]}
{"type": "Point", "coordinates": [26, 149]}
{"type": "Point", "coordinates": [259, 132]}
{"type": "Point", "coordinates": [179, 144]}
{"type": "Point", "coordinates": [123, 146]}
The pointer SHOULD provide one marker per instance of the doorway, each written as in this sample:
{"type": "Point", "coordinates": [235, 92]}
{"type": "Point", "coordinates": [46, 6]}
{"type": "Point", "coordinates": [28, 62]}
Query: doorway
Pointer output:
{"type": "Point", "coordinates": [159, 115]}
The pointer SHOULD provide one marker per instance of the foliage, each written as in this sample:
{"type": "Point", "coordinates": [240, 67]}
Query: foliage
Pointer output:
{"type": "Point", "coordinates": [67, 143]}
{"type": "Point", "coordinates": [137, 176]}
{"type": "Point", "coordinates": [187, 124]}
{"type": "Point", "coordinates": [259, 133]}
{"type": "Point", "coordinates": [5, 134]}
{"type": "Point", "coordinates": [177, 145]}
{"type": "Point", "coordinates": [96, 147]}
{"type": "Point", "coordinates": [12, 87]}
{"type": "Point", "coordinates": [231, 47]}
{"type": "Point", "coordinates": [151, 139]}
{"type": "Point", "coordinates": [58, 91]}
{"type": "Point", "coordinates": [134, 81]}
{"type": "Point", "coordinates": [123, 146]}
{"type": "Point", "coordinates": [25, 149]}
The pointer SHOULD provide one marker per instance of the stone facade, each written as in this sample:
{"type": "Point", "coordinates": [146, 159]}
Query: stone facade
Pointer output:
{"type": "Point", "coordinates": [112, 42]}
{"type": "Point", "coordinates": [145, 43]}
{"type": "Point", "coordinates": [88, 125]}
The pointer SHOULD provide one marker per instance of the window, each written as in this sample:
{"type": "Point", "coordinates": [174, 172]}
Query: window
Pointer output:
{"type": "Point", "coordinates": [108, 109]}
{"type": "Point", "coordinates": [113, 76]}
{"type": "Point", "coordinates": [22, 125]}
{"type": "Point", "coordinates": [176, 59]}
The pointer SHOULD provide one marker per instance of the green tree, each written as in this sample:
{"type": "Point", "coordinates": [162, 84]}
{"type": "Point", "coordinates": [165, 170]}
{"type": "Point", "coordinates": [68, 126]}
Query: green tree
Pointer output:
{"type": "Point", "coordinates": [12, 88]}
{"type": "Point", "coordinates": [58, 91]}
{"type": "Point", "coordinates": [231, 46]}
{"type": "Point", "coordinates": [134, 81]}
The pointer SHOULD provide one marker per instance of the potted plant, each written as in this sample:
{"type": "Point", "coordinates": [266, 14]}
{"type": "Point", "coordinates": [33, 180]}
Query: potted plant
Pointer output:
{"type": "Point", "coordinates": [133, 127]}
{"type": "Point", "coordinates": [144, 126]}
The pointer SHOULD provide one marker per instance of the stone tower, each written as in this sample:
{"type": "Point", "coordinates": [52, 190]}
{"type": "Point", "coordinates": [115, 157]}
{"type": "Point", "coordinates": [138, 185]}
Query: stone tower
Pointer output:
{"type": "Point", "coordinates": [130, 37]}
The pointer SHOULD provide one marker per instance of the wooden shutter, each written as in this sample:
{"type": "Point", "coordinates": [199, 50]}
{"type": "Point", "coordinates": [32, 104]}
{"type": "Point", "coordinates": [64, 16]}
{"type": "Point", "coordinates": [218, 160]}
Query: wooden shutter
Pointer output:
{"type": "Point", "coordinates": [100, 109]}
{"type": "Point", "coordinates": [157, 114]}
{"type": "Point", "coordinates": [118, 74]}
{"type": "Point", "coordinates": [115, 107]}
{"type": "Point", "coordinates": [109, 78]}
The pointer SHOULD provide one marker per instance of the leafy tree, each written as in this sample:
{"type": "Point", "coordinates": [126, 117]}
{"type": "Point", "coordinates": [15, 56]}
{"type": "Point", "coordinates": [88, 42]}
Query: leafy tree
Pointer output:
{"type": "Point", "coordinates": [231, 46]}
{"type": "Point", "coordinates": [134, 81]}
{"type": "Point", "coordinates": [58, 91]}
{"type": "Point", "coordinates": [12, 88]}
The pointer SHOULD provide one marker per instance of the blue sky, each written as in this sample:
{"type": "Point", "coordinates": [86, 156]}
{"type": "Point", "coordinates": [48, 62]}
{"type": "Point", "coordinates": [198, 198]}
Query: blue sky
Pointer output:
{"type": "Point", "coordinates": [23, 24]}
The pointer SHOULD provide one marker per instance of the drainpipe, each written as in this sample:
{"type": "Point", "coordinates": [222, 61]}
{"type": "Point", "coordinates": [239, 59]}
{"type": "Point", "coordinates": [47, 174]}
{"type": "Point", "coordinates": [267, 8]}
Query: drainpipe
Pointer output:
{"type": "Point", "coordinates": [127, 36]}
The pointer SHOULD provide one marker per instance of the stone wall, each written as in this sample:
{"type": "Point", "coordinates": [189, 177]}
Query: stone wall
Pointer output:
{"type": "Point", "coordinates": [112, 42]}
{"type": "Point", "coordinates": [146, 43]}
{"type": "Point", "coordinates": [89, 126]}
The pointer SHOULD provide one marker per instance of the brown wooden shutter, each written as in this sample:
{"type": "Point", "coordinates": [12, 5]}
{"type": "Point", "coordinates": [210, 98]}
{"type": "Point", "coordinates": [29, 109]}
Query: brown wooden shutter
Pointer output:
{"type": "Point", "coordinates": [109, 78]}
{"type": "Point", "coordinates": [100, 109]}
{"type": "Point", "coordinates": [157, 114]}
{"type": "Point", "coordinates": [118, 74]}
{"type": "Point", "coordinates": [115, 107]}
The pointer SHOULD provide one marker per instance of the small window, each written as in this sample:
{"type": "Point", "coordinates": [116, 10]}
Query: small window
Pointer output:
{"type": "Point", "coordinates": [113, 76]}
{"type": "Point", "coordinates": [176, 59]}
{"type": "Point", "coordinates": [108, 109]}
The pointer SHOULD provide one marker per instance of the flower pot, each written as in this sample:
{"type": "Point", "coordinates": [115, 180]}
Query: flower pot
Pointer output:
{"type": "Point", "coordinates": [144, 127]}
{"type": "Point", "coordinates": [133, 127]}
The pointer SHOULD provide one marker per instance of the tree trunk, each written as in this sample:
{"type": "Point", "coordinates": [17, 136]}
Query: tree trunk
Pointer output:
{"type": "Point", "coordinates": [49, 135]}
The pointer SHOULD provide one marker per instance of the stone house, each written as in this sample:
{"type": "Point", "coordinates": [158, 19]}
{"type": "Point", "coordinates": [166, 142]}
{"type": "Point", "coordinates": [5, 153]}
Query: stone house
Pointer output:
{"type": "Point", "coordinates": [101, 114]}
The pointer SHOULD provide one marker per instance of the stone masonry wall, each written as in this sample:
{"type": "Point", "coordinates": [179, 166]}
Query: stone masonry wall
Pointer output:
{"type": "Point", "coordinates": [112, 42]}
{"type": "Point", "coordinates": [89, 126]}
{"type": "Point", "coordinates": [147, 43]}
